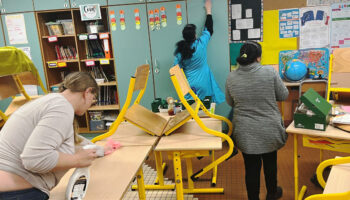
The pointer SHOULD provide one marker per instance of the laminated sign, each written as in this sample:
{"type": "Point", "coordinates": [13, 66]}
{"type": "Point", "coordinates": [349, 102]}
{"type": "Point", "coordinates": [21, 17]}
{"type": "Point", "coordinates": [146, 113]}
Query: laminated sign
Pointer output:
{"type": "Point", "coordinates": [90, 12]}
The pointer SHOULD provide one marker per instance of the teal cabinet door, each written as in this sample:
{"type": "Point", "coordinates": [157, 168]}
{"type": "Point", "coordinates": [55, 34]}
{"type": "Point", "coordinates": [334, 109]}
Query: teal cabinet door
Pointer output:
{"type": "Point", "coordinates": [32, 41]}
{"type": "Point", "coordinates": [119, 2]}
{"type": "Point", "coordinates": [218, 48]}
{"type": "Point", "coordinates": [2, 40]}
{"type": "Point", "coordinates": [77, 3]}
{"type": "Point", "coordinates": [163, 46]}
{"type": "Point", "coordinates": [131, 49]}
{"type": "Point", "coordinates": [51, 5]}
{"type": "Point", "coordinates": [12, 6]}
{"type": "Point", "coordinates": [150, 1]}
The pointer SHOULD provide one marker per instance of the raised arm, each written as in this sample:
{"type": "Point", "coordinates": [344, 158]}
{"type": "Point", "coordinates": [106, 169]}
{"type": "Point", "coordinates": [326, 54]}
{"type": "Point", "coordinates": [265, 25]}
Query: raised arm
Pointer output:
{"type": "Point", "coordinates": [209, 20]}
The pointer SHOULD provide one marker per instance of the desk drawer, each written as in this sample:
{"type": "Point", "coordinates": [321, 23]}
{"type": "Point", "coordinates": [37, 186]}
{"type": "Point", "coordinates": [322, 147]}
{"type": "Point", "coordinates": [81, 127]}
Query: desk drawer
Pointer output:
{"type": "Point", "coordinates": [327, 143]}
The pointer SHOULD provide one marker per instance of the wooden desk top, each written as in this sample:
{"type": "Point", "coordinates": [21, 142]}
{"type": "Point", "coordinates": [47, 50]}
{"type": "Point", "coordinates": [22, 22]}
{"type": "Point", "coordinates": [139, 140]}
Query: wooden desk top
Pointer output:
{"type": "Point", "coordinates": [291, 84]}
{"type": "Point", "coordinates": [130, 135]}
{"type": "Point", "coordinates": [338, 179]}
{"type": "Point", "coordinates": [330, 132]}
{"type": "Point", "coordinates": [191, 137]}
{"type": "Point", "coordinates": [110, 176]}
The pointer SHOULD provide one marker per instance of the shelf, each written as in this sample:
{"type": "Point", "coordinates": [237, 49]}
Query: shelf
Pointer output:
{"type": "Point", "coordinates": [112, 83]}
{"type": "Point", "coordinates": [106, 107]}
{"type": "Point", "coordinates": [96, 59]}
{"type": "Point", "coordinates": [58, 36]}
{"type": "Point", "coordinates": [67, 61]}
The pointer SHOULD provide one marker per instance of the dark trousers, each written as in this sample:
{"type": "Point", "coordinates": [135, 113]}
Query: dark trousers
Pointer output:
{"type": "Point", "coordinates": [27, 194]}
{"type": "Point", "coordinates": [252, 163]}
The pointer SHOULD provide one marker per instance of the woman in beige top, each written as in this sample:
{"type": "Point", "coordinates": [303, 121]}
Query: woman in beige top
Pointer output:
{"type": "Point", "coordinates": [37, 143]}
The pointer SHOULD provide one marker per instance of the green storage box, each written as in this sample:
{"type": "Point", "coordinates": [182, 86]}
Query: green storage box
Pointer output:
{"type": "Point", "coordinates": [318, 119]}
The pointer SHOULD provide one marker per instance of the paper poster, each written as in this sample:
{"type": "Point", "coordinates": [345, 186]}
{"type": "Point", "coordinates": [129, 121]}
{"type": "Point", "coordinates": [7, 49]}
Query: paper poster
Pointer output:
{"type": "Point", "coordinates": [340, 26]}
{"type": "Point", "coordinates": [316, 60]}
{"type": "Point", "coordinates": [324, 2]}
{"type": "Point", "coordinates": [26, 50]}
{"type": "Point", "coordinates": [289, 23]}
{"type": "Point", "coordinates": [314, 27]}
{"type": "Point", "coordinates": [16, 29]}
{"type": "Point", "coordinates": [245, 20]}
{"type": "Point", "coordinates": [272, 44]}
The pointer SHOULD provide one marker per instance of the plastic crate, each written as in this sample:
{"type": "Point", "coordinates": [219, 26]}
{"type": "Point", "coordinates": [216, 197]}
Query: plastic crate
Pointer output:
{"type": "Point", "coordinates": [55, 28]}
{"type": "Point", "coordinates": [67, 25]}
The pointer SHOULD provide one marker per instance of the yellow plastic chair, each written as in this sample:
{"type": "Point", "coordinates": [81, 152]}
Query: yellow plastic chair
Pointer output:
{"type": "Point", "coordinates": [140, 116]}
{"type": "Point", "coordinates": [319, 172]}
{"type": "Point", "coordinates": [182, 88]}
{"type": "Point", "coordinates": [16, 70]}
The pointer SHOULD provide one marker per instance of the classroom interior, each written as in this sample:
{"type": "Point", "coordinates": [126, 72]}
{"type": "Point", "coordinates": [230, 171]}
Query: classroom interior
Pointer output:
{"type": "Point", "coordinates": [128, 45]}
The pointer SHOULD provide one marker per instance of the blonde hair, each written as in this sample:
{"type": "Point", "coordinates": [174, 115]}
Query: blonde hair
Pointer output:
{"type": "Point", "coordinates": [78, 82]}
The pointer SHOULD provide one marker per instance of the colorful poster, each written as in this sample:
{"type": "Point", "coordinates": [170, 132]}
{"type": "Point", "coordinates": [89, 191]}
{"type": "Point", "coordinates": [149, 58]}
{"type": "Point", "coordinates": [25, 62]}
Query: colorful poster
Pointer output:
{"type": "Point", "coordinates": [16, 29]}
{"type": "Point", "coordinates": [314, 27]}
{"type": "Point", "coordinates": [245, 20]}
{"type": "Point", "coordinates": [316, 60]}
{"type": "Point", "coordinates": [289, 23]}
{"type": "Point", "coordinates": [340, 26]}
{"type": "Point", "coordinates": [272, 44]}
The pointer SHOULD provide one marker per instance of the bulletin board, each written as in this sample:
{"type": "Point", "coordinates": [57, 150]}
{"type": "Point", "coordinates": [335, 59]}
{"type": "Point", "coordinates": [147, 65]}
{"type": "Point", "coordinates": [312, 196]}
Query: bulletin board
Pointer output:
{"type": "Point", "coordinates": [245, 20]}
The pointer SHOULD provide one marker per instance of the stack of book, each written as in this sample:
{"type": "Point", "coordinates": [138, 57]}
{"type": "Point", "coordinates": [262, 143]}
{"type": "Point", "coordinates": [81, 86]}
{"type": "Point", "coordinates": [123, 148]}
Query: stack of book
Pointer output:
{"type": "Point", "coordinates": [65, 53]}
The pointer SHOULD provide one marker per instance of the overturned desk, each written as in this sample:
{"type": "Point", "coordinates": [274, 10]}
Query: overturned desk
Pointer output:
{"type": "Point", "coordinates": [111, 175]}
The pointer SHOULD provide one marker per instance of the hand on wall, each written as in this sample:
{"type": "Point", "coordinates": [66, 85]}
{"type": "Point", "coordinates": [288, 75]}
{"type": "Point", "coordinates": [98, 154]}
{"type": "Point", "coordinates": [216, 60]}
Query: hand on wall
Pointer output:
{"type": "Point", "coordinates": [208, 6]}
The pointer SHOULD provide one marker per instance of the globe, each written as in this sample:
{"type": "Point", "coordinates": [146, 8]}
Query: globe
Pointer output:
{"type": "Point", "coordinates": [295, 70]}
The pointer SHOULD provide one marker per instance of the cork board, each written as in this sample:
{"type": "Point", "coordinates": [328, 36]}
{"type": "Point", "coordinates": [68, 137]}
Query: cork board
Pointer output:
{"type": "Point", "coordinates": [283, 4]}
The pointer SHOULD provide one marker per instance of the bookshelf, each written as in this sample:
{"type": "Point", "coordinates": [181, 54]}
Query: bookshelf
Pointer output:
{"type": "Point", "coordinates": [68, 45]}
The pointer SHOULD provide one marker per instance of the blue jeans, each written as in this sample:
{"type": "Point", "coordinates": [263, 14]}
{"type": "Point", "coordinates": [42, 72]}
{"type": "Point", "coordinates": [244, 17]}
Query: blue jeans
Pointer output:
{"type": "Point", "coordinates": [27, 194]}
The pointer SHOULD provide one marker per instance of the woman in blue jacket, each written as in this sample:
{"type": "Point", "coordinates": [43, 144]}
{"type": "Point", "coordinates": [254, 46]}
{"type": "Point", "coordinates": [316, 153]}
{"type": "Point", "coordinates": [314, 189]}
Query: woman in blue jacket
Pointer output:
{"type": "Point", "coordinates": [191, 55]}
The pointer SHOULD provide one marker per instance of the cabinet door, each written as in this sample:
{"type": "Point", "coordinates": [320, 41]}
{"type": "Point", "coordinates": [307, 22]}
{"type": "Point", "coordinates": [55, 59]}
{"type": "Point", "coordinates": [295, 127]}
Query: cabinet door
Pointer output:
{"type": "Point", "coordinates": [131, 49]}
{"type": "Point", "coordinates": [11, 6]}
{"type": "Point", "coordinates": [163, 46]}
{"type": "Point", "coordinates": [150, 1]}
{"type": "Point", "coordinates": [77, 3]}
{"type": "Point", "coordinates": [218, 48]}
{"type": "Point", "coordinates": [51, 5]}
{"type": "Point", "coordinates": [33, 41]}
{"type": "Point", "coordinates": [119, 2]}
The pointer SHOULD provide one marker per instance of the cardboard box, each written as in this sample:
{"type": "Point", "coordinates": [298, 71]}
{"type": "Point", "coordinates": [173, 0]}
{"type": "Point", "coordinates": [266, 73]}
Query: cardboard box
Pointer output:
{"type": "Point", "coordinates": [318, 119]}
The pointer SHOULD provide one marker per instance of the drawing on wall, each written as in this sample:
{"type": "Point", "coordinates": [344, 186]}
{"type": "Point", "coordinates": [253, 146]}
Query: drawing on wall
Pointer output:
{"type": "Point", "coordinates": [245, 20]}
{"type": "Point", "coordinates": [289, 23]}
{"type": "Point", "coordinates": [316, 60]}
{"type": "Point", "coordinates": [324, 2]}
{"type": "Point", "coordinates": [314, 27]}
{"type": "Point", "coordinates": [340, 26]}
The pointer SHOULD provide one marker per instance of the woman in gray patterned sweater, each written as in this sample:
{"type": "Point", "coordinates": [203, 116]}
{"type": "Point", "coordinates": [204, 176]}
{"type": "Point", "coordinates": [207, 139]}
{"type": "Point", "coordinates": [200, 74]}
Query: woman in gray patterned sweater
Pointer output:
{"type": "Point", "coordinates": [259, 131]}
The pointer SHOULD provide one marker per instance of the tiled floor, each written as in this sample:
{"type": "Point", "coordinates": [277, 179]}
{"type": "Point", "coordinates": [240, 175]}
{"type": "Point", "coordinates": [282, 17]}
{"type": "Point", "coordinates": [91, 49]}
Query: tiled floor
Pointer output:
{"type": "Point", "coordinates": [149, 178]}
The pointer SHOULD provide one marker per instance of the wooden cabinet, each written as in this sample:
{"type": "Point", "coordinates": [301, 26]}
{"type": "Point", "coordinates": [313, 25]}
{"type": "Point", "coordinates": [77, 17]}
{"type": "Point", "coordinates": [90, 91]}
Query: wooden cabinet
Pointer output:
{"type": "Point", "coordinates": [52, 5]}
{"type": "Point", "coordinates": [69, 44]}
{"type": "Point", "coordinates": [12, 6]}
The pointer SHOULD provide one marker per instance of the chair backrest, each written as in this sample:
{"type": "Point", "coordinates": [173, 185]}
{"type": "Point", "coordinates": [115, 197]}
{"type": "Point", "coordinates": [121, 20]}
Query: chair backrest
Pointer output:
{"type": "Point", "coordinates": [141, 76]}
{"type": "Point", "coordinates": [181, 78]}
{"type": "Point", "coordinates": [320, 86]}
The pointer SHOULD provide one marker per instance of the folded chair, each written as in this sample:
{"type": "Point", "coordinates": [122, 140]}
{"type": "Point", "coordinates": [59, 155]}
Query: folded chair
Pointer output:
{"type": "Point", "coordinates": [183, 88]}
{"type": "Point", "coordinates": [335, 190]}
{"type": "Point", "coordinates": [16, 70]}
{"type": "Point", "coordinates": [140, 116]}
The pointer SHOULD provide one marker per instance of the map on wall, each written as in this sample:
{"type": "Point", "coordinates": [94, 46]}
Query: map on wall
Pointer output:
{"type": "Point", "coordinates": [245, 20]}
{"type": "Point", "coordinates": [316, 60]}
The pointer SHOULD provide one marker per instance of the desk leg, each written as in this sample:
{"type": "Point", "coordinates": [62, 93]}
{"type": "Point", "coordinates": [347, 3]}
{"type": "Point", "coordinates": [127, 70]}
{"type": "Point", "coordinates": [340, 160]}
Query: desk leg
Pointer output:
{"type": "Point", "coordinates": [159, 167]}
{"type": "Point", "coordinates": [296, 173]}
{"type": "Point", "coordinates": [189, 173]}
{"type": "Point", "coordinates": [178, 175]}
{"type": "Point", "coordinates": [215, 170]}
{"type": "Point", "coordinates": [141, 185]}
